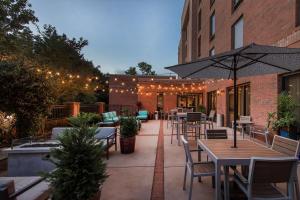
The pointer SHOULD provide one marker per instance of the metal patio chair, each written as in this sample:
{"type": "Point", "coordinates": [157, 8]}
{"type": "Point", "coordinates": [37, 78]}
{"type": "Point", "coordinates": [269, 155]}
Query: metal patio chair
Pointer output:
{"type": "Point", "coordinates": [263, 174]}
{"type": "Point", "coordinates": [288, 147]}
{"type": "Point", "coordinates": [196, 169]}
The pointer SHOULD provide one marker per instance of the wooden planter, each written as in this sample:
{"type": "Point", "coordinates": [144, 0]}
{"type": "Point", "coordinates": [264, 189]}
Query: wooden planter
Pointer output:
{"type": "Point", "coordinates": [127, 145]}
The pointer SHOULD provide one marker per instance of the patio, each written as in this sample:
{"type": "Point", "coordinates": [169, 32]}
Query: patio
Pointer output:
{"type": "Point", "coordinates": [131, 176]}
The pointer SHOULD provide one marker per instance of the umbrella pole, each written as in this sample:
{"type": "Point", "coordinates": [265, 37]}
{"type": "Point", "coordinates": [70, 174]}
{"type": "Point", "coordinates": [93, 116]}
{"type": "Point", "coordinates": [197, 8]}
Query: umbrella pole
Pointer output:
{"type": "Point", "coordinates": [235, 101]}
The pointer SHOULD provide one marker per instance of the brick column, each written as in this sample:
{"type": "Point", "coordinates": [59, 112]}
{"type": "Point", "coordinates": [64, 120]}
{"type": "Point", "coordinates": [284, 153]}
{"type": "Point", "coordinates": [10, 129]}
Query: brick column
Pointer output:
{"type": "Point", "coordinates": [101, 107]}
{"type": "Point", "coordinates": [74, 108]}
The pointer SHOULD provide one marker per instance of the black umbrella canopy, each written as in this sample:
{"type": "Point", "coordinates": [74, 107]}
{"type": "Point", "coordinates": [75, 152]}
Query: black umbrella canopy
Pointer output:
{"type": "Point", "coordinates": [250, 60]}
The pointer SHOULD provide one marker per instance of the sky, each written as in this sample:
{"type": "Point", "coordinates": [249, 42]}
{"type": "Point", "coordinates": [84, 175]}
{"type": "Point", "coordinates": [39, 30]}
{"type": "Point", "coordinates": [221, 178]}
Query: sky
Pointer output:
{"type": "Point", "coordinates": [121, 33]}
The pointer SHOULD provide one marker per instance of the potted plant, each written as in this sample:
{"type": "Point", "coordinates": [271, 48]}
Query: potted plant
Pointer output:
{"type": "Point", "coordinates": [128, 131]}
{"type": "Point", "coordinates": [201, 108]}
{"type": "Point", "coordinates": [80, 170]}
{"type": "Point", "coordinates": [285, 118]}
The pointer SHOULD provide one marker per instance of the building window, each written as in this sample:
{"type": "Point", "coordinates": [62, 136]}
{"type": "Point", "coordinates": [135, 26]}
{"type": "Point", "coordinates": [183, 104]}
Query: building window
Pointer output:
{"type": "Point", "coordinates": [212, 2]}
{"type": "Point", "coordinates": [237, 34]}
{"type": "Point", "coordinates": [199, 20]}
{"type": "Point", "coordinates": [297, 12]}
{"type": "Point", "coordinates": [236, 4]}
{"type": "Point", "coordinates": [291, 84]}
{"type": "Point", "coordinates": [212, 25]}
{"type": "Point", "coordinates": [212, 52]}
{"type": "Point", "coordinates": [211, 101]}
{"type": "Point", "coordinates": [199, 46]}
{"type": "Point", "coordinates": [243, 103]}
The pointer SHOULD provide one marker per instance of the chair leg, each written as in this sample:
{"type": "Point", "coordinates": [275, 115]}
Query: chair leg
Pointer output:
{"type": "Point", "coordinates": [172, 133]}
{"type": "Point", "coordinates": [184, 179]}
{"type": "Point", "coordinates": [213, 181]}
{"type": "Point", "coordinates": [191, 186]}
{"type": "Point", "coordinates": [297, 189]}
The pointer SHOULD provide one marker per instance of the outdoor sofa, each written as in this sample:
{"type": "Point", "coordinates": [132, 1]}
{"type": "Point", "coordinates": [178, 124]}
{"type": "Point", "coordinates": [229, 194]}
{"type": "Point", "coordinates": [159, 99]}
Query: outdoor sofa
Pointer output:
{"type": "Point", "coordinates": [110, 117]}
{"type": "Point", "coordinates": [143, 115]}
{"type": "Point", "coordinates": [106, 135]}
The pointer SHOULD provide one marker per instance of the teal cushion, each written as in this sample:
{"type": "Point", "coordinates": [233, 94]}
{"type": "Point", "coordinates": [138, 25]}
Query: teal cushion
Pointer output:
{"type": "Point", "coordinates": [116, 119]}
{"type": "Point", "coordinates": [105, 116]}
{"type": "Point", "coordinates": [143, 112]}
{"type": "Point", "coordinates": [114, 114]}
{"type": "Point", "coordinates": [142, 117]}
{"type": "Point", "coordinates": [110, 115]}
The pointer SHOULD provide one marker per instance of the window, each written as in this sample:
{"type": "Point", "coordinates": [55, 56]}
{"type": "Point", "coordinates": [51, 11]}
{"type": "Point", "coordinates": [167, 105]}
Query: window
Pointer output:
{"type": "Point", "coordinates": [243, 103]}
{"type": "Point", "coordinates": [160, 101]}
{"type": "Point", "coordinates": [211, 101]}
{"type": "Point", "coordinates": [199, 20]}
{"type": "Point", "coordinates": [235, 4]}
{"type": "Point", "coordinates": [212, 52]}
{"type": "Point", "coordinates": [190, 100]}
{"type": "Point", "coordinates": [199, 47]}
{"type": "Point", "coordinates": [237, 34]}
{"type": "Point", "coordinates": [212, 26]}
{"type": "Point", "coordinates": [291, 84]}
{"type": "Point", "coordinates": [297, 12]}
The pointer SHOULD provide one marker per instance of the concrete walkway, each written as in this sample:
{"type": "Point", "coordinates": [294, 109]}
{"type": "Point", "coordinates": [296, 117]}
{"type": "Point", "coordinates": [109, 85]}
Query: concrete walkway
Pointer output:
{"type": "Point", "coordinates": [131, 176]}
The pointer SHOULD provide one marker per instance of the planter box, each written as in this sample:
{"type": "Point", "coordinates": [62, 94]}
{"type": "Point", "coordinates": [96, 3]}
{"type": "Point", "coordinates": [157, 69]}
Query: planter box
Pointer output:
{"type": "Point", "coordinates": [127, 145]}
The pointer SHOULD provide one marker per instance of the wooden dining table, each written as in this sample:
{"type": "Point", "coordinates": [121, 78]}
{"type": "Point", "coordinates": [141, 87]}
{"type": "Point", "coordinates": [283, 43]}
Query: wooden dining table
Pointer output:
{"type": "Point", "coordinates": [224, 155]}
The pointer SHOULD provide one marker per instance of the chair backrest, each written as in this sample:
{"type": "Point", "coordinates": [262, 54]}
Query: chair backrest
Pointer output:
{"type": "Point", "coordinates": [193, 116]}
{"type": "Point", "coordinates": [186, 147]}
{"type": "Point", "coordinates": [286, 146]}
{"type": "Point", "coordinates": [272, 170]}
{"type": "Point", "coordinates": [245, 118]}
{"type": "Point", "coordinates": [212, 114]}
{"type": "Point", "coordinates": [216, 134]}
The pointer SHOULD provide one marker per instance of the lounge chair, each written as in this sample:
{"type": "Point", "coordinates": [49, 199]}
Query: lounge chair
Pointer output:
{"type": "Point", "coordinates": [142, 115]}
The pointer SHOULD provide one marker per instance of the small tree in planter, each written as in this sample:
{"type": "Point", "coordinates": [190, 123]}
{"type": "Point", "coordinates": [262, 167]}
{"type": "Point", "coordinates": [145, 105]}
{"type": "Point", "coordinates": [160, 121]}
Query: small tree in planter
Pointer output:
{"type": "Point", "coordinates": [80, 170]}
{"type": "Point", "coordinates": [285, 118]}
{"type": "Point", "coordinates": [128, 131]}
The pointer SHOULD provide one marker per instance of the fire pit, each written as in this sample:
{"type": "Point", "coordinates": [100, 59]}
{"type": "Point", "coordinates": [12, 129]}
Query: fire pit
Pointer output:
{"type": "Point", "coordinates": [29, 159]}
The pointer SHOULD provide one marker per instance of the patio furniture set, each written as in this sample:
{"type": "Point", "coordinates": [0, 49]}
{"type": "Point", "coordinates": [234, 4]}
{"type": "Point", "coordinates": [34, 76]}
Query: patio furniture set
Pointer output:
{"type": "Point", "coordinates": [254, 167]}
{"type": "Point", "coordinates": [107, 130]}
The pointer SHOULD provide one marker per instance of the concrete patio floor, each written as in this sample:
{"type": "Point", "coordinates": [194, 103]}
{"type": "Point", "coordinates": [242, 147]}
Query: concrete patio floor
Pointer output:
{"type": "Point", "coordinates": [131, 176]}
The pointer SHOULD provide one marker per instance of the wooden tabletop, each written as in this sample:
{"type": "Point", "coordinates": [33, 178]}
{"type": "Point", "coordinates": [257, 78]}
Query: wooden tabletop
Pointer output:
{"type": "Point", "coordinates": [222, 149]}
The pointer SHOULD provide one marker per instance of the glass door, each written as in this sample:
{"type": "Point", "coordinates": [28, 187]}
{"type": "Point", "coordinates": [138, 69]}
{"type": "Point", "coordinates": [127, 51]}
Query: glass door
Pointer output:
{"type": "Point", "coordinates": [292, 86]}
{"type": "Point", "coordinates": [211, 101]}
{"type": "Point", "coordinates": [243, 102]}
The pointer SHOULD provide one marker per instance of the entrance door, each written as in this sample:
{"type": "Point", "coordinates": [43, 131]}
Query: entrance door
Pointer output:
{"type": "Point", "coordinates": [243, 102]}
{"type": "Point", "coordinates": [211, 101]}
{"type": "Point", "coordinates": [160, 102]}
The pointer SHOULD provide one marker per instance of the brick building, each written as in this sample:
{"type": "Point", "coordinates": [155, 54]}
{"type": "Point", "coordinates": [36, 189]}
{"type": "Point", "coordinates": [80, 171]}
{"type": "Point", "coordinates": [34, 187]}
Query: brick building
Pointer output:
{"type": "Point", "coordinates": [154, 93]}
{"type": "Point", "coordinates": [211, 27]}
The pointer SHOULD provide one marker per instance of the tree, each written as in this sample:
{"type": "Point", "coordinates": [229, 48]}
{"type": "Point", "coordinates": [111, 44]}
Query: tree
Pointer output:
{"type": "Point", "coordinates": [131, 71]}
{"type": "Point", "coordinates": [146, 68]}
{"type": "Point", "coordinates": [25, 94]}
{"type": "Point", "coordinates": [15, 16]}
{"type": "Point", "coordinates": [80, 170]}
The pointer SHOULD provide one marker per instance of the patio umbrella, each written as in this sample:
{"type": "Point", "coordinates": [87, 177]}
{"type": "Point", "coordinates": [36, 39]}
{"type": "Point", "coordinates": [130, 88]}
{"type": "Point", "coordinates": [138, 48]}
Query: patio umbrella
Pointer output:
{"type": "Point", "coordinates": [250, 60]}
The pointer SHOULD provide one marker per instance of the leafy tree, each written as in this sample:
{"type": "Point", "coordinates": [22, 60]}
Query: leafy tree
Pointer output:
{"type": "Point", "coordinates": [131, 71]}
{"type": "Point", "coordinates": [15, 15]}
{"type": "Point", "coordinates": [26, 94]}
{"type": "Point", "coordinates": [146, 68]}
